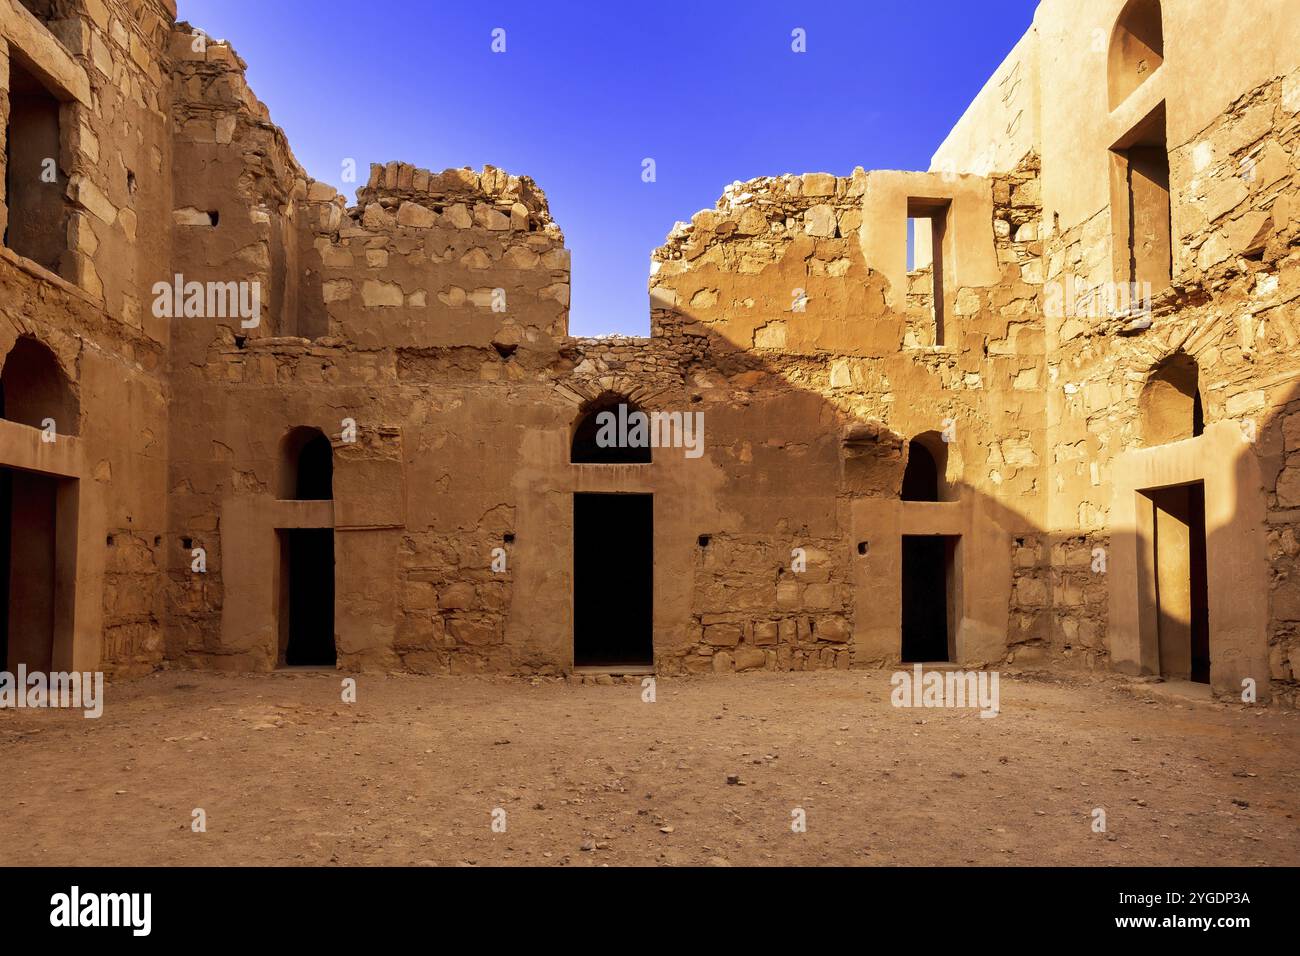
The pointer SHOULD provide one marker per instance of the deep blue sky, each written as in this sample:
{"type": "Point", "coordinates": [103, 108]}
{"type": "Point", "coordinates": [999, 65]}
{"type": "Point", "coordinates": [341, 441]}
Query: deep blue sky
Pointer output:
{"type": "Point", "coordinates": [585, 91]}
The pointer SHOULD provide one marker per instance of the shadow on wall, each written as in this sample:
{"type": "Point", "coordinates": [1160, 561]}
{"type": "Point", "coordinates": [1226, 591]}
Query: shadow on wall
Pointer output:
{"type": "Point", "coordinates": [1177, 564]}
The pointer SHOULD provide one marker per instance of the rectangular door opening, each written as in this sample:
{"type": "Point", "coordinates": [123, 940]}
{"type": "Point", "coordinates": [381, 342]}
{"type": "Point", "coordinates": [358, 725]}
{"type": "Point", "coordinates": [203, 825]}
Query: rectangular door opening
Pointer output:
{"type": "Point", "coordinates": [307, 598]}
{"type": "Point", "coordinates": [28, 569]}
{"type": "Point", "coordinates": [613, 580]}
{"type": "Point", "coordinates": [1181, 582]}
{"type": "Point", "coordinates": [928, 598]}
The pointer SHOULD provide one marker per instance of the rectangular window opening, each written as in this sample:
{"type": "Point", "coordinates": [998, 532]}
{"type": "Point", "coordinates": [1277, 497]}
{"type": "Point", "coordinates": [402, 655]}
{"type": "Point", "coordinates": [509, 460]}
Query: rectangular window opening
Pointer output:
{"type": "Point", "coordinates": [927, 229]}
{"type": "Point", "coordinates": [1140, 207]}
{"type": "Point", "coordinates": [35, 185]}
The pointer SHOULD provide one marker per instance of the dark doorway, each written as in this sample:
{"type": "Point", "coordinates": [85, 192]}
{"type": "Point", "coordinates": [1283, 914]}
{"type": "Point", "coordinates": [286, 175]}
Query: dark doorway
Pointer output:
{"type": "Point", "coordinates": [307, 598]}
{"type": "Point", "coordinates": [927, 564]}
{"type": "Point", "coordinates": [1182, 582]}
{"type": "Point", "coordinates": [27, 569]}
{"type": "Point", "coordinates": [613, 580]}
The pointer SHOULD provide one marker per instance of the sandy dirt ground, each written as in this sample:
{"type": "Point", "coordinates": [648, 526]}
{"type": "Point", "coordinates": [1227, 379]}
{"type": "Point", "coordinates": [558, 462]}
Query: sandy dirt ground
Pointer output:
{"type": "Point", "coordinates": [712, 773]}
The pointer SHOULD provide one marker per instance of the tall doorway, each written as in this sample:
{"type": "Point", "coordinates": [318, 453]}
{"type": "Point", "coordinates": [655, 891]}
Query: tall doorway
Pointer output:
{"type": "Point", "coordinates": [928, 562]}
{"type": "Point", "coordinates": [1178, 556]}
{"type": "Point", "coordinates": [28, 504]}
{"type": "Point", "coordinates": [613, 580]}
{"type": "Point", "coordinates": [307, 598]}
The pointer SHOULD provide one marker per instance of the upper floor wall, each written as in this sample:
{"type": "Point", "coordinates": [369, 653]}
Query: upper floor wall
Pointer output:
{"type": "Point", "coordinates": [1086, 76]}
{"type": "Point", "coordinates": [85, 124]}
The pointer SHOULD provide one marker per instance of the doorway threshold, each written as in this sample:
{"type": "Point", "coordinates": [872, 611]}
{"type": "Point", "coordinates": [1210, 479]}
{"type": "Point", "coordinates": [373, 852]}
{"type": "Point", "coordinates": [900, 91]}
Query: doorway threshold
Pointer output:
{"type": "Point", "coordinates": [616, 670]}
{"type": "Point", "coordinates": [1176, 689]}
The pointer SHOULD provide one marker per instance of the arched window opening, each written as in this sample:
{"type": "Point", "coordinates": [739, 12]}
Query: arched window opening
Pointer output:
{"type": "Point", "coordinates": [921, 477]}
{"type": "Point", "coordinates": [612, 430]}
{"type": "Point", "coordinates": [34, 391]}
{"type": "Point", "coordinates": [926, 476]}
{"type": "Point", "coordinates": [307, 472]}
{"type": "Point", "coordinates": [1170, 407]}
{"type": "Point", "coordinates": [1137, 48]}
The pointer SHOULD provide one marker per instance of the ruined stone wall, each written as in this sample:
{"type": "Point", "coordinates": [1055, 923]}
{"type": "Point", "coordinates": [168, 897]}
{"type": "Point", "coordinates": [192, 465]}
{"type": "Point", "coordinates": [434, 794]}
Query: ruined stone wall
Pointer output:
{"type": "Point", "coordinates": [105, 60]}
{"type": "Point", "coordinates": [430, 318]}
{"type": "Point", "coordinates": [429, 314]}
{"type": "Point", "coordinates": [233, 191]}
{"type": "Point", "coordinates": [775, 306]}
{"type": "Point", "coordinates": [1232, 308]}
{"type": "Point", "coordinates": [1218, 91]}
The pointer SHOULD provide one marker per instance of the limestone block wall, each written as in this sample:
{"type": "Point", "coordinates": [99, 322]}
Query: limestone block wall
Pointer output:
{"type": "Point", "coordinates": [1228, 121]}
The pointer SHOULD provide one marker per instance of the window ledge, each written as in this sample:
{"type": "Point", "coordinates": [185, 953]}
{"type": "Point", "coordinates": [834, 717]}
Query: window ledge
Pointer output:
{"type": "Point", "coordinates": [39, 271]}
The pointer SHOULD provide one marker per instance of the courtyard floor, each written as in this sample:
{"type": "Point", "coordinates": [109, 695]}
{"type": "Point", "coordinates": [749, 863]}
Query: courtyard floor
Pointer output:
{"type": "Point", "coordinates": [714, 771]}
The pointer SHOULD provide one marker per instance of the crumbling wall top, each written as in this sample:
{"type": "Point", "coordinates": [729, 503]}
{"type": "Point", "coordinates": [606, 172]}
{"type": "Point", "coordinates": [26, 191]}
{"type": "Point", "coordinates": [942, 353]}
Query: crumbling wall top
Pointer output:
{"type": "Point", "coordinates": [769, 208]}
{"type": "Point", "coordinates": [517, 199]}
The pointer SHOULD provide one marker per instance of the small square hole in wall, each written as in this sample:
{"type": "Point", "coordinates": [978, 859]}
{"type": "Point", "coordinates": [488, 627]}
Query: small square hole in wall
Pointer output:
{"type": "Point", "coordinates": [508, 537]}
{"type": "Point", "coordinates": [109, 541]}
{"type": "Point", "coordinates": [863, 547]}
{"type": "Point", "coordinates": [704, 540]}
{"type": "Point", "coordinates": [187, 543]}
{"type": "Point", "coordinates": [214, 216]}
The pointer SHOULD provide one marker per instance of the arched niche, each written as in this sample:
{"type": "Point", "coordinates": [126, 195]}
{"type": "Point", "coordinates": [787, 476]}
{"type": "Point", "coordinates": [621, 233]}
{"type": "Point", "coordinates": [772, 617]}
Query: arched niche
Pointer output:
{"type": "Point", "coordinates": [1137, 48]}
{"type": "Point", "coordinates": [1170, 407]}
{"type": "Point", "coordinates": [34, 390]}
